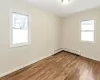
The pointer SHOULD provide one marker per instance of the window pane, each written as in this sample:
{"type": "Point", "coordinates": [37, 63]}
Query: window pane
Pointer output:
{"type": "Point", "coordinates": [20, 36]}
{"type": "Point", "coordinates": [90, 22]}
{"type": "Point", "coordinates": [87, 36]}
{"type": "Point", "coordinates": [20, 28]}
{"type": "Point", "coordinates": [87, 25]}
{"type": "Point", "coordinates": [20, 21]}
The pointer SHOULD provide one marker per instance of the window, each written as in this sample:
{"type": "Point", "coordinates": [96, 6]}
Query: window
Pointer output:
{"type": "Point", "coordinates": [87, 30]}
{"type": "Point", "coordinates": [19, 29]}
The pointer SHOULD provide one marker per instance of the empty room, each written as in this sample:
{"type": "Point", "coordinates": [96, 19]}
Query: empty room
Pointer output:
{"type": "Point", "coordinates": [50, 40]}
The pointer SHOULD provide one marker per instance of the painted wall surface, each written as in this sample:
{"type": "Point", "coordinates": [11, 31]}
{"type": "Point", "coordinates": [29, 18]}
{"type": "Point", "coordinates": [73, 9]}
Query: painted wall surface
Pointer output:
{"type": "Point", "coordinates": [71, 33]}
{"type": "Point", "coordinates": [45, 29]}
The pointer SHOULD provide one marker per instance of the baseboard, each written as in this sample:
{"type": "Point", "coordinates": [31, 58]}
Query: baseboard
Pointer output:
{"type": "Point", "coordinates": [72, 51]}
{"type": "Point", "coordinates": [58, 50]}
{"type": "Point", "coordinates": [67, 50]}
{"type": "Point", "coordinates": [21, 67]}
{"type": "Point", "coordinates": [77, 52]}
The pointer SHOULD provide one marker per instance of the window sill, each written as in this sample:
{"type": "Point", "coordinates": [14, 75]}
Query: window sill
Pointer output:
{"type": "Point", "coordinates": [19, 45]}
{"type": "Point", "coordinates": [92, 42]}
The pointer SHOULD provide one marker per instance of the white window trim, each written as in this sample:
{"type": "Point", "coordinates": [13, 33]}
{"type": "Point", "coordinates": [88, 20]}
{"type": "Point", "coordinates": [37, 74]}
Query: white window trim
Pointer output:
{"type": "Point", "coordinates": [94, 31]}
{"type": "Point", "coordinates": [29, 29]}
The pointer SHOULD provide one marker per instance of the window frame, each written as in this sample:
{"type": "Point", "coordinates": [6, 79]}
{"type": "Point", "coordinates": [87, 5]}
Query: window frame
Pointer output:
{"type": "Point", "coordinates": [11, 30]}
{"type": "Point", "coordinates": [89, 30]}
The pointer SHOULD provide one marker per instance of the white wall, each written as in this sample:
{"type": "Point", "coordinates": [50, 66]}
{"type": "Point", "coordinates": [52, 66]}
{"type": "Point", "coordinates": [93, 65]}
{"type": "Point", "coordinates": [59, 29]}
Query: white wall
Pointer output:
{"type": "Point", "coordinates": [71, 33]}
{"type": "Point", "coordinates": [45, 29]}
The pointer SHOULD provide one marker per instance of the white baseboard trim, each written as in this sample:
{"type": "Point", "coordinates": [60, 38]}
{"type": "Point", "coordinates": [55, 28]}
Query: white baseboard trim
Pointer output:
{"type": "Point", "coordinates": [58, 50]}
{"type": "Point", "coordinates": [18, 68]}
{"type": "Point", "coordinates": [69, 50]}
{"type": "Point", "coordinates": [72, 51]}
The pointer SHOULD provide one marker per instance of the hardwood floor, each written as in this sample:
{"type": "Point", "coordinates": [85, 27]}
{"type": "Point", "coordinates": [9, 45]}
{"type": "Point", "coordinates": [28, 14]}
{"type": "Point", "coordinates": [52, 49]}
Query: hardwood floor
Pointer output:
{"type": "Point", "coordinates": [63, 66]}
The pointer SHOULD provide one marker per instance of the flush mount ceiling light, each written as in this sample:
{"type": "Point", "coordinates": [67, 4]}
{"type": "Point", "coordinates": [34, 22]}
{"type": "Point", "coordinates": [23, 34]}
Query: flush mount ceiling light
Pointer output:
{"type": "Point", "coordinates": [65, 1]}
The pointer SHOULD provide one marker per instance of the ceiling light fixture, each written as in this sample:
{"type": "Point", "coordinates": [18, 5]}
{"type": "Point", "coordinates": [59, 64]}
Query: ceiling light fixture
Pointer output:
{"type": "Point", "coordinates": [65, 1]}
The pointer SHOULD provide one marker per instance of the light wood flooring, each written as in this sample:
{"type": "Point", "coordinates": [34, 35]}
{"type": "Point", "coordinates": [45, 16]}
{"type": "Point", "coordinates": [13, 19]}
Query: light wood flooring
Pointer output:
{"type": "Point", "coordinates": [62, 66]}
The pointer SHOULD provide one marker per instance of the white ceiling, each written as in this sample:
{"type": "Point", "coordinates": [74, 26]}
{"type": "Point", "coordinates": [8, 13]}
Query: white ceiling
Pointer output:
{"type": "Point", "coordinates": [56, 7]}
